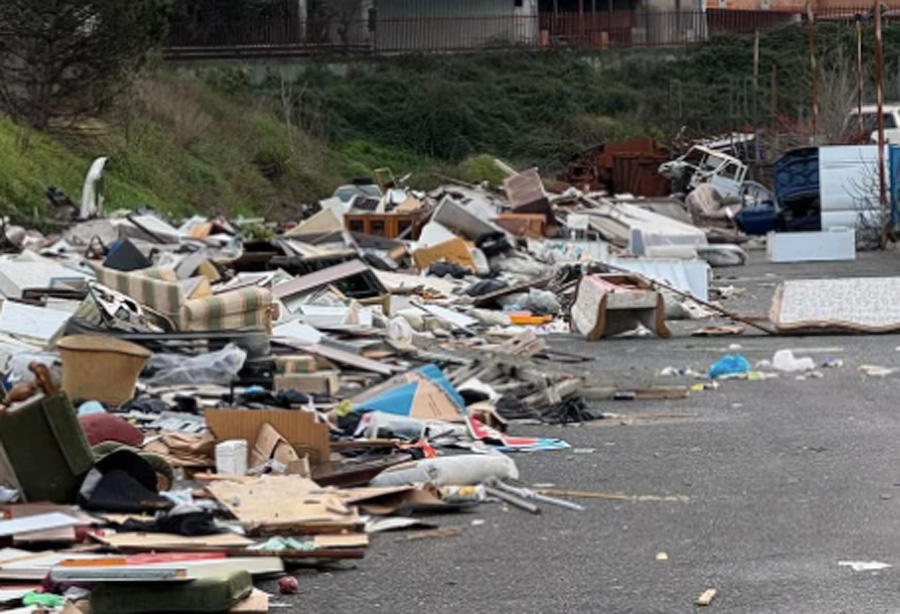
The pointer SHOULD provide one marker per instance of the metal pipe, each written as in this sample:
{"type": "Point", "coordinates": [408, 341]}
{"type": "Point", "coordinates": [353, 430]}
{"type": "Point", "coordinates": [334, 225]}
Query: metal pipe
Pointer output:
{"type": "Point", "coordinates": [879, 96]}
{"type": "Point", "coordinates": [527, 493]}
{"type": "Point", "coordinates": [512, 500]}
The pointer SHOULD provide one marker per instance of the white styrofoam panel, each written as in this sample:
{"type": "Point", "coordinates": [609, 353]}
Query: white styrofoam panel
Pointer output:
{"type": "Point", "coordinates": [828, 245]}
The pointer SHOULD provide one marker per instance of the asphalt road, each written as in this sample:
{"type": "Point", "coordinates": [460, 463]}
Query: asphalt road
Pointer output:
{"type": "Point", "coordinates": [785, 478]}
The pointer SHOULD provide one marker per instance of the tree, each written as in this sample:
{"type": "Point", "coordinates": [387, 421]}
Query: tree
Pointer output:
{"type": "Point", "coordinates": [61, 60]}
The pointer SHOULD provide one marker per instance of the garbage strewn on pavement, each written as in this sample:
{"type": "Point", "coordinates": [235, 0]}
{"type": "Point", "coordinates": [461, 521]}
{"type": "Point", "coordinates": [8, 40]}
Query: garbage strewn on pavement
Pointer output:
{"type": "Point", "coordinates": [191, 406]}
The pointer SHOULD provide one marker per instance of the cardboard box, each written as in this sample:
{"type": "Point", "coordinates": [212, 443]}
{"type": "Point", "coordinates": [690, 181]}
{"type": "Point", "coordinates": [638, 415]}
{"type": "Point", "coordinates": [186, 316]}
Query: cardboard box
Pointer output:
{"type": "Point", "coordinates": [523, 224]}
{"type": "Point", "coordinates": [298, 427]}
{"type": "Point", "coordinates": [270, 445]}
{"type": "Point", "coordinates": [320, 382]}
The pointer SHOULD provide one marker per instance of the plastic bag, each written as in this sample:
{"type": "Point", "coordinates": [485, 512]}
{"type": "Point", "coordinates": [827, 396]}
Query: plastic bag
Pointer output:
{"type": "Point", "coordinates": [730, 364]}
{"type": "Point", "coordinates": [214, 368]}
{"type": "Point", "coordinates": [399, 330]}
{"type": "Point", "coordinates": [18, 365]}
{"type": "Point", "coordinates": [542, 302]}
{"type": "Point", "coordinates": [784, 360]}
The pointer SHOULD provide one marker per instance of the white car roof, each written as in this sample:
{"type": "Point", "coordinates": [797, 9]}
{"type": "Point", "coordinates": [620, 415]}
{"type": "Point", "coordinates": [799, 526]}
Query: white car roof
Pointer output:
{"type": "Point", "coordinates": [873, 108]}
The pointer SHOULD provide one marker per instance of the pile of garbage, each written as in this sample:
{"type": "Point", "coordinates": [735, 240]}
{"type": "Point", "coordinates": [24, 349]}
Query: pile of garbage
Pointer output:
{"type": "Point", "coordinates": [189, 408]}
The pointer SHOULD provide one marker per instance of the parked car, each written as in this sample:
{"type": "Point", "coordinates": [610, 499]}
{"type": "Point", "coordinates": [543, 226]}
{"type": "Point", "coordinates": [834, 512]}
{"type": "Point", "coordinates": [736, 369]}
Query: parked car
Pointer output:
{"type": "Point", "coordinates": [869, 117]}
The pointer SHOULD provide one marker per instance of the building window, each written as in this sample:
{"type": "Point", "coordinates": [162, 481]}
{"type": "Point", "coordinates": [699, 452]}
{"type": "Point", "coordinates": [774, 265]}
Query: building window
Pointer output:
{"type": "Point", "coordinates": [518, 3]}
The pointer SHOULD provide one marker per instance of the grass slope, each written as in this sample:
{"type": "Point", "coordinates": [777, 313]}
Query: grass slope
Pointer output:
{"type": "Point", "coordinates": [263, 140]}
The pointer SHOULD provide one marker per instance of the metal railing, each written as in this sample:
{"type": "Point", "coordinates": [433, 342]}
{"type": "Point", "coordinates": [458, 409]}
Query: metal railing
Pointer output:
{"type": "Point", "coordinates": [377, 35]}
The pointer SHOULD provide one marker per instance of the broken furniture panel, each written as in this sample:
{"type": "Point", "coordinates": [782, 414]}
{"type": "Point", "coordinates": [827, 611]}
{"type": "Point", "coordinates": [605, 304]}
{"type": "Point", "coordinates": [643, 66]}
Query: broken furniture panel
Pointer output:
{"type": "Point", "coordinates": [609, 305]}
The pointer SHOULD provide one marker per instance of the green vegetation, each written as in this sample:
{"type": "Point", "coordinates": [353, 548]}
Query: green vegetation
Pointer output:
{"type": "Point", "coordinates": [263, 140]}
{"type": "Point", "coordinates": [31, 162]}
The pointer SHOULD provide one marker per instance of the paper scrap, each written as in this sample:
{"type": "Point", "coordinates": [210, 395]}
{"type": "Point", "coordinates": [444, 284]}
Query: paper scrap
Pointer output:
{"type": "Point", "coordinates": [864, 565]}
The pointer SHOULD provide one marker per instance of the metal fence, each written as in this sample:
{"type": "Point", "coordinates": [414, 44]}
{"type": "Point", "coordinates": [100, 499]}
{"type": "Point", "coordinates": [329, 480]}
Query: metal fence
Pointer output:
{"type": "Point", "coordinates": [286, 36]}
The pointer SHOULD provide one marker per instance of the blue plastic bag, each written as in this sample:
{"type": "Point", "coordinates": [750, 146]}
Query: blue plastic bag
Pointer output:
{"type": "Point", "coordinates": [730, 364]}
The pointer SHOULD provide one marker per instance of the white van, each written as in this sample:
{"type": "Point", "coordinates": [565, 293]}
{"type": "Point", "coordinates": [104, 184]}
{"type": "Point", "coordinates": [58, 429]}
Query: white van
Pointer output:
{"type": "Point", "coordinates": [703, 165]}
{"type": "Point", "coordinates": [870, 122]}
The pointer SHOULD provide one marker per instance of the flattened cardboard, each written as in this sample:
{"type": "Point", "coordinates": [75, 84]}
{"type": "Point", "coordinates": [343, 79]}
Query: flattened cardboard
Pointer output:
{"type": "Point", "coordinates": [298, 427]}
{"type": "Point", "coordinates": [385, 500]}
{"type": "Point", "coordinates": [424, 393]}
{"type": "Point", "coordinates": [256, 603]}
{"type": "Point", "coordinates": [284, 503]}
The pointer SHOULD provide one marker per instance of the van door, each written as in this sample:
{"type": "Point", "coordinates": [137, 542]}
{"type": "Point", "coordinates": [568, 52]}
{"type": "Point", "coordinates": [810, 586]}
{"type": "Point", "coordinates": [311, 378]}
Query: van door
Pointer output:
{"type": "Point", "coordinates": [729, 178]}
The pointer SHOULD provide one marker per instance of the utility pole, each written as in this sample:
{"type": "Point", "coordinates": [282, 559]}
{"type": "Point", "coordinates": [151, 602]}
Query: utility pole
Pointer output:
{"type": "Point", "coordinates": [756, 61]}
{"type": "Point", "coordinates": [859, 73]}
{"type": "Point", "coordinates": [811, 18]}
{"type": "Point", "coordinates": [756, 100]}
{"type": "Point", "coordinates": [879, 96]}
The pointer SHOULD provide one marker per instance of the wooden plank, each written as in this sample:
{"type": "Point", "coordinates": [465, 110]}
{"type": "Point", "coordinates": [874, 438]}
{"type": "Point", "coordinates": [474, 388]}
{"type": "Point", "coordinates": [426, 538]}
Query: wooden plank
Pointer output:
{"type": "Point", "coordinates": [341, 356]}
{"type": "Point", "coordinates": [344, 540]}
{"type": "Point", "coordinates": [165, 540]}
{"type": "Point", "coordinates": [553, 492]}
{"type": "Point", "coordinates": [652, 393]}
{"type": "Point", "coordinates": [287, 555]}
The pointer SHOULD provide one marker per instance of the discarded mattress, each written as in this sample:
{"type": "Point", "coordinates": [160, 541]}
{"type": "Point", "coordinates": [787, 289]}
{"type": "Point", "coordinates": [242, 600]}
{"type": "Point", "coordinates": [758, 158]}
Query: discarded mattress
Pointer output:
{"type": "Point", "coordinates": [856, 304]}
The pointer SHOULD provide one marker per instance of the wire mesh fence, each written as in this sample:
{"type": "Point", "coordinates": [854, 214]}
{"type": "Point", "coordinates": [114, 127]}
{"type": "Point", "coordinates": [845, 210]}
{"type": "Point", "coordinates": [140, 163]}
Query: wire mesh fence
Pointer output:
{"type": "Point", "coordinates": [383, 35]}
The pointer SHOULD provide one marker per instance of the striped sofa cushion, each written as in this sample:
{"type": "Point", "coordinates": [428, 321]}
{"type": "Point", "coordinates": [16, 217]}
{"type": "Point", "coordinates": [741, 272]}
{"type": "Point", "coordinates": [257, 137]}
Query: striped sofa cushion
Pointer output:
{"type": "Point", "coordinates": [249, 307]}
{"type": "Point", "coordinates": [153, 288]}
